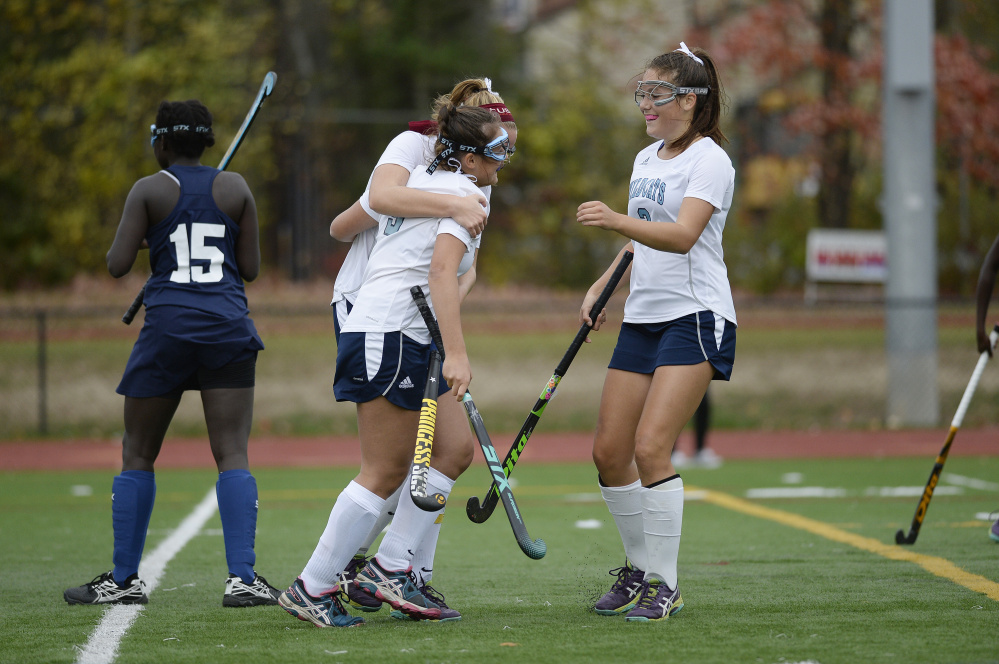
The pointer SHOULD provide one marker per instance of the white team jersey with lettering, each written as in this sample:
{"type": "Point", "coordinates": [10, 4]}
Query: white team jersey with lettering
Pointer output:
{"type": "Point", "coordinates": [400, 260]}
{"type": "Point", "coordinates": [664, 285]}
{"type": "Point", "coordinates": [412, 151]}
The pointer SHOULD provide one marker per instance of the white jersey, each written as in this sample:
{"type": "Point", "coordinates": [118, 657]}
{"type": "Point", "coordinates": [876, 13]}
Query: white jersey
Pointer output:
{"type": "Point", "coordinates": [400, 260]}
{"type": "Point", "coordinates": [664, 285]}
{"type": "Point", "coordinates": [412, 151]}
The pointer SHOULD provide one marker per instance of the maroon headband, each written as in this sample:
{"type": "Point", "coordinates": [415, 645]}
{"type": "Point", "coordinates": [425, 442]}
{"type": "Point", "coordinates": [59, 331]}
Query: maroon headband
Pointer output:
{"type": "Point", "coordinates": [425, 127]}
{"type": "Point", "coordinates": [504, 112]}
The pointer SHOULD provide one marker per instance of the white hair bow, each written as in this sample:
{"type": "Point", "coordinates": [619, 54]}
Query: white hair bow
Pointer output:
{"type": "Point", "coordinates": [683, 49]}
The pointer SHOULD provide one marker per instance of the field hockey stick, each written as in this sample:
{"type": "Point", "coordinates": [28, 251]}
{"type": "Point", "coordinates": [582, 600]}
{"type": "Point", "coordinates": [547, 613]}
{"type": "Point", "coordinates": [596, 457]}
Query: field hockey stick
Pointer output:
{"type": "Point", "coordinates": [931, 484]}
{"type": "Point", "coordinates": [535, 549]}
{"type": "Point", "coordinates": [266, 88]}
{"type": "Point", "coordinates": [425, 441]}
{"type": "Point", "coordinates": [479, 513]}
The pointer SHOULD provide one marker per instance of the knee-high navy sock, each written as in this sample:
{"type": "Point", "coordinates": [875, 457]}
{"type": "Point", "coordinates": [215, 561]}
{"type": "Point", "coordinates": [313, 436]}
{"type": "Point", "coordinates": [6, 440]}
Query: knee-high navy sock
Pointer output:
{"type": "Point", "coordinates": [132, 495]}
{"type": "Point", "coordinates": [237, 494]}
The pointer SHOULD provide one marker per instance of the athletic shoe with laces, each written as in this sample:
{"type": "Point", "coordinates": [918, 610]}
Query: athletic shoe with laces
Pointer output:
{"type": "Point", "coordinates": [994, 531]}
{"type": "Point", "coordinates": [257, 593]}
{"type": "Point", "coordinates": [657, 602]}
{"type": "Point", "coordinates": [398, 590]}
{"type": "Point", "coordinates": [323, 611]}
{"type": "Point", "coordinates": [447, 613]}
{"type": "Point", "coordinates": [623, 595]}
{"type": "Point", "coordinates": [355, 596]}
{"type": "Point", "coordinates": [104, 590]}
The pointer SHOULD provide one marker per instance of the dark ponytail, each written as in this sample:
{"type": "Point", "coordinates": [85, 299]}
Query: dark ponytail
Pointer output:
{"type": "Point", "coordinates": [460, 126]}
{"type": "Point", "coordinates": [684, 71]}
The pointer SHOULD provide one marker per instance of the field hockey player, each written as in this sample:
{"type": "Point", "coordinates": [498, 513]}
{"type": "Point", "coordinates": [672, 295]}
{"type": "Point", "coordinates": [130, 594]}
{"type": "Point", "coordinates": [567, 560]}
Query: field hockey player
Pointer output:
{"type": "Point", "coordinates": [201, 227]}
{"type": "Point", "coordinates": [382, 339]}
{"type": "Point", "coordinates": [358, 224]}
{"type": "Point", "coordinates": [679, 323]}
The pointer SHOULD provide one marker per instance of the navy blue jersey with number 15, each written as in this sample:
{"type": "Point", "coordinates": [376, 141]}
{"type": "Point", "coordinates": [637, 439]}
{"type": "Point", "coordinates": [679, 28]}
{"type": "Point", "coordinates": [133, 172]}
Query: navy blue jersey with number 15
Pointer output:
{"type": "Point", "coordinates": [193, 251]}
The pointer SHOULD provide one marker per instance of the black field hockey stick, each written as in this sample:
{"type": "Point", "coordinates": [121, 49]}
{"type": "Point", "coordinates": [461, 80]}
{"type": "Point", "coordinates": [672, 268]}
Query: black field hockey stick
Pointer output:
{"type": "Point", "coordinates": [924, 502]}
{"type": "Point", "coordinates": [535, 549]}
{"type": "Point", "coordinates": [266, 88]}
{"type": "Point", "coordinates": [425, 441]}
{"type": "Point", "coordinates": [479, 513]}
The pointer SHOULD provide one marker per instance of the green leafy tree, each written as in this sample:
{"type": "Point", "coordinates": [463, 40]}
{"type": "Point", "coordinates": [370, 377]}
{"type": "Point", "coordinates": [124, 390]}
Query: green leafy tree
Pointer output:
{"type": "Point", "coordinates": [81, 82]}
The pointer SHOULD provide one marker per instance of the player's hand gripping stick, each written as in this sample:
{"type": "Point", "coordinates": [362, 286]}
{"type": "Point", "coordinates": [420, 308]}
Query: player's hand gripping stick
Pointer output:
{"type": "Point", "coordinates": [535, 549]}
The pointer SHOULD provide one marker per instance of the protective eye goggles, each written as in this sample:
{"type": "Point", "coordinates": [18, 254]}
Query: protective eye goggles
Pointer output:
{"type": "Point", "coordinates": [661, 98]}
{"type": "Point", "coordinates": [498, 149]}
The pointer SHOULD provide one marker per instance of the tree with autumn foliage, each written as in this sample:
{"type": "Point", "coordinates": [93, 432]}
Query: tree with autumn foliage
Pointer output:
{"type": "Point", "coordinates": [823, 59]}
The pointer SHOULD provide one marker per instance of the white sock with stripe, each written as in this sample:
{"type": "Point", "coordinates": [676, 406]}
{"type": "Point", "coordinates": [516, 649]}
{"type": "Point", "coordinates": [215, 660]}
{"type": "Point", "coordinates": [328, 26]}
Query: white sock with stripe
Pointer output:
{"type": "Point", "coordinates": [625, 505]}
{"type": "Point", "coordinates": [662, 513]}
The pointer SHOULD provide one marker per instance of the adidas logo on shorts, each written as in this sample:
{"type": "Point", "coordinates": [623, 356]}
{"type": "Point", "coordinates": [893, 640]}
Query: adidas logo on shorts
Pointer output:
{"type": "Point", "coordinates": [406, 383]}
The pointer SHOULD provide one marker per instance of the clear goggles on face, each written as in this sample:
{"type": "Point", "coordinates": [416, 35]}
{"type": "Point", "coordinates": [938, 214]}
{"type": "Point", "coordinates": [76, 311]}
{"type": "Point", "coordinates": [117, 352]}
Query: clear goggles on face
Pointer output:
{"type": "Point", "coordinates": [659, 98]}
{"type": "Point", "coordinates": [498, 149]}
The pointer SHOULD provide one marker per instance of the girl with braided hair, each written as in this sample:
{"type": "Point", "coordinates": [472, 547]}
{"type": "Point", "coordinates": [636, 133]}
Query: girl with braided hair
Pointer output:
{"type": "Point", "coordinates": [200, 225]}
{"type": "Point", "coordinates": [382, 360]}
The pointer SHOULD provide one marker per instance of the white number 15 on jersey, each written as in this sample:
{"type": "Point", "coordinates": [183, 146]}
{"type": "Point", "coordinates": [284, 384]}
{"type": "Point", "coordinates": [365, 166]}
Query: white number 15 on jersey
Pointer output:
{"type": "Point", "coordinates": [197, 249]}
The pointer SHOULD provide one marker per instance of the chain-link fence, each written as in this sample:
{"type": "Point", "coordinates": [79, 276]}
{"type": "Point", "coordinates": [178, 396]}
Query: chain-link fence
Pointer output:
{"type": "Point", "coordinates": [798, 366]}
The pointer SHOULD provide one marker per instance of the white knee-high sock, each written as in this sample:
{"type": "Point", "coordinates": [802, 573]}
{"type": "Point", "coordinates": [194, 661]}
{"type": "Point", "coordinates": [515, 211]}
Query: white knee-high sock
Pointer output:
{"type": "Point", "coordinates": [662, 513]}
{"type": "Point", "coordinates": [625, 505]}
{"type": "Point", "coordinates": [384, 518]}
{"type": "Point", "coordinates": [423, 558]}
{"type": "Point", "coordinates": [404, 534]}
{"type": "Point", "coordinates": [353, 514]}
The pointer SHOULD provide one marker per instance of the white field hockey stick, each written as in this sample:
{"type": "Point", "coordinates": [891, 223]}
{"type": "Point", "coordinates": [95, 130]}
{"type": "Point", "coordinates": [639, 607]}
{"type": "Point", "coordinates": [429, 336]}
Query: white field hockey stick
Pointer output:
{"type": "Point", "coordinates": [931, 484]}
{"type": "Point", "coordinates": [266, 88]}
{"type": "Point", "coordinates": [535, 549]}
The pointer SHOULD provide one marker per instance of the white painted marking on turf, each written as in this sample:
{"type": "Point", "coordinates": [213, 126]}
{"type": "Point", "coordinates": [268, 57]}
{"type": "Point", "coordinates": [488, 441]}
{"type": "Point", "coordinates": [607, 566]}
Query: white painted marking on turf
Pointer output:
{"type": "Point", "coordinates": [970, 482]}
{"type": "Point", "coordinates": [792, 478]}
{"type": "Point", "coordinates": [81, 490]}
{"type": "Point", "coordinates": [796, 492]}
{"type": "Point", "coordinates": [985, 516]}
{"type": "Point", "coordinates": [589, 524]}
{"type": "Point", "coordinates": [102, 647]}
{"type": "Point", "coordinates": [911, 491]}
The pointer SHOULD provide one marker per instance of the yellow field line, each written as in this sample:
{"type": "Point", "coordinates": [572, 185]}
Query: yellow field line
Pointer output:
{"type": "Point", "coordinates": [938, 566]}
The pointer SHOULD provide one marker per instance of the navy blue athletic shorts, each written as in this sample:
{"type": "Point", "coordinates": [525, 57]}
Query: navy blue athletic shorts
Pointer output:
{"type": "Point", "coordinates": [181, 348]}
{"type": "Point", "coordinates": [375, 364]}
{"type": "Point", "coordinates": [691, 339]}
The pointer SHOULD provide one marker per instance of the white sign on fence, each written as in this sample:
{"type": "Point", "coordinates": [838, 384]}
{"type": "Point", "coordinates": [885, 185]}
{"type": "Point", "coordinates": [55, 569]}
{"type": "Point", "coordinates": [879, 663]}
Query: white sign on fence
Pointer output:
{"type": "Point", "coordinates": [841, 255]}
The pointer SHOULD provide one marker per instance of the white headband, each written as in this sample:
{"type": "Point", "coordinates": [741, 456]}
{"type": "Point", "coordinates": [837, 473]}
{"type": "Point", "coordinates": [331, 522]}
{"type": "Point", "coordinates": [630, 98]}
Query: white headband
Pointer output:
{"type": "Point", "coordinates": [683, 49]}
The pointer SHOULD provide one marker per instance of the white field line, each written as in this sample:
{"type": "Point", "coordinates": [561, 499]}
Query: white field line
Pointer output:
{"type": "Point", "coordinates": [102, 647]}
{"type": "Point", "coordinates": [970, 482]}
{"type": "Point", "coordinates": [837, 492]}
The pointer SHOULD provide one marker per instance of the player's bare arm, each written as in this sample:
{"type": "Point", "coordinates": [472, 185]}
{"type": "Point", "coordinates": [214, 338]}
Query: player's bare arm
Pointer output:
{"type": "Point", "coordinates": [390, 195]}
{"type": "Point", "coordinates": [351, 222]}
{"type": "Point", "coordinates": [443, 282]}
{"type": "Point", "coordinates": [675, 238]}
